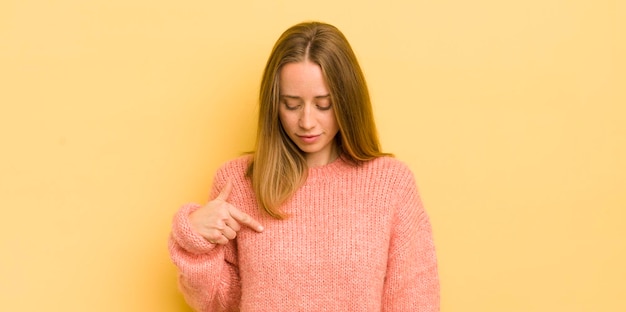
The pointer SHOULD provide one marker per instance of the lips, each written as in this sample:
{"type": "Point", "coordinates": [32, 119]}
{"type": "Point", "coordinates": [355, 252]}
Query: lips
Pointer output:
{"type": "Point", "coordinates": [309, 138]}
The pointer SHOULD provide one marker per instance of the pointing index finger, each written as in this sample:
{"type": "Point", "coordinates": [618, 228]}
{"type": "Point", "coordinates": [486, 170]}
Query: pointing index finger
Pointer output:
{"type": "Point", "coordinates": [245, 219]}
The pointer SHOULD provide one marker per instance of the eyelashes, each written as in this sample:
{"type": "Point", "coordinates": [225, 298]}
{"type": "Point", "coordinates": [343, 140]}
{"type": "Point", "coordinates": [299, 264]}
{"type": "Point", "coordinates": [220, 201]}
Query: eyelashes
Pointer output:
{"type": "Point", "coordinates": [296, 106]}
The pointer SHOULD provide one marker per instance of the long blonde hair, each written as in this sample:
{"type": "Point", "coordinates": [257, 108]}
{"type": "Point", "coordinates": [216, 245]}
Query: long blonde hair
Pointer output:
{"type": "Point", "coordinates": [278, 167]}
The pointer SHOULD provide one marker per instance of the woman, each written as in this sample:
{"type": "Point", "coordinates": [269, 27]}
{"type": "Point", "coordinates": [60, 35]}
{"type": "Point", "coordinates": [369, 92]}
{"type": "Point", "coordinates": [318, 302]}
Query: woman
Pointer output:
{"type": "Point", "coordinates": [317, 218]}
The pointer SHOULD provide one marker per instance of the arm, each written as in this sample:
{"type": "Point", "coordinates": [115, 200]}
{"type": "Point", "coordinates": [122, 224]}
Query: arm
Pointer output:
{"type": "Point", "coordinates": [412, 281]}
{"type": "Point", "coordinates": [203, 246]}
{"type": "Point", "coordinates": [208, 275]}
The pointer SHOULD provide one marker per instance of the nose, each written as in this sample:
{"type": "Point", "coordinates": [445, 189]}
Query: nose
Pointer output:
{"type": "Point", "coordinates": [306, 120]}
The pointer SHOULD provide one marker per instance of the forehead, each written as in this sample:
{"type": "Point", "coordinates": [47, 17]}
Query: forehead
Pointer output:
{"type": "Point", "coordinates": [302, 79]}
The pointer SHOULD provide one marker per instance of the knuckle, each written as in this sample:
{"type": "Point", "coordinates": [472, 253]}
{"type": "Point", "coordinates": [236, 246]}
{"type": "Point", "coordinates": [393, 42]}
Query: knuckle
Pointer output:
{"type": "Point", "coordinates": [245, 218]}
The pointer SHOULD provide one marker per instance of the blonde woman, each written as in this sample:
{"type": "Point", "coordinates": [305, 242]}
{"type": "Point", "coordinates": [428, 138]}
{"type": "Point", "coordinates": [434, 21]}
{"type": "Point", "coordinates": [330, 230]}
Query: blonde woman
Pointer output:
{"type": "Point", "coordinates": [317, 218]}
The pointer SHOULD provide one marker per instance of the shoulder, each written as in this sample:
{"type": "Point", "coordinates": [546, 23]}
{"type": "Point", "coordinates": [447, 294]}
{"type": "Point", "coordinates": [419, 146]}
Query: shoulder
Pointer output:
{"type": "Point", "coordinates": [396, 177]}
{"type": "Point", "coordinates": [233, 169]}
{"type": "Point", "coordinates": [238, 163]}
{"type": "Point", "coordinates": [389, 172]}
{"type": "Point", "coordinates": [388, 165]}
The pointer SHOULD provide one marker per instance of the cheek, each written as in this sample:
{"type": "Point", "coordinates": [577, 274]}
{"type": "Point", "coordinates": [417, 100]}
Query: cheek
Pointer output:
{"type": "Point", "coordinates": [285, 119]}
{"type": "Point", "coordinates": [281, 118]}
{"type": "Point", "coordinates": [331, 122]}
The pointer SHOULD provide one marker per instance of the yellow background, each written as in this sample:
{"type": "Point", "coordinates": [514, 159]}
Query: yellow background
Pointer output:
{"type": "Point", "coordinates": [511, 114]}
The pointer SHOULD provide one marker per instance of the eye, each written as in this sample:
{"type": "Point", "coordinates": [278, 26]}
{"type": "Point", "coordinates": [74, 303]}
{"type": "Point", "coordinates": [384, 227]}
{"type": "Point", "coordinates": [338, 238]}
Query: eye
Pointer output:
{"type": "Point", "coordinates": [323, 104]}
{"type": "Point", "coordinates": [291, 104]}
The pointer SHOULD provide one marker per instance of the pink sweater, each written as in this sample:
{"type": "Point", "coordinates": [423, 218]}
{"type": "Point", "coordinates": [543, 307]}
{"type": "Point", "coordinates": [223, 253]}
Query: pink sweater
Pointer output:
{"type": "Point", "coordinates": [358, 239]}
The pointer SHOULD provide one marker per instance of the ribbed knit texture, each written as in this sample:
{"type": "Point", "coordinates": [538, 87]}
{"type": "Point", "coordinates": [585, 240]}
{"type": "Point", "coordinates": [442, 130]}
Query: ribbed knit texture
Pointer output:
{"type": "Point", "coordinates": [357, 239]}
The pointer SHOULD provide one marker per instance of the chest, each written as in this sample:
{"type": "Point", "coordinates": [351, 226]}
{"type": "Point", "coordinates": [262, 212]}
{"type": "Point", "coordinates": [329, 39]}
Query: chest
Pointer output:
{"type": "Point", "coordinates": [337, 235]}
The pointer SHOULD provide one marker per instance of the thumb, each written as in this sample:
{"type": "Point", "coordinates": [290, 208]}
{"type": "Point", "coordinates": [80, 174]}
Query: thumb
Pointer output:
{"type": "Point", "coordinates": [225, 191]}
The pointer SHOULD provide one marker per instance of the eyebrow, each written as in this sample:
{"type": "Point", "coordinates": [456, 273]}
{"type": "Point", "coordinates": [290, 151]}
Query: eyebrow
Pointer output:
{"type": "Point", "coordinates": [299, 98]}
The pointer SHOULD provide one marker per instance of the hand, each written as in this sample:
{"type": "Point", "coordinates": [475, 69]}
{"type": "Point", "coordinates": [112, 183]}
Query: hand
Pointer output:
{"type": "Point", "coordinates": [218, 221]}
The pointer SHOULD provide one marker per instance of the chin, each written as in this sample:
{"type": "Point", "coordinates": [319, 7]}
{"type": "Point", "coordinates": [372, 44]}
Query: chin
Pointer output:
{"type": "Point", "coordinates": [308, 150]}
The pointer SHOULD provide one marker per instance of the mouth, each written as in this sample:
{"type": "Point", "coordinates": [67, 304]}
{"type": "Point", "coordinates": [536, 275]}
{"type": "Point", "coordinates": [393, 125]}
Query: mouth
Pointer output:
{"type": "Point", "coordinates": [309, 138]}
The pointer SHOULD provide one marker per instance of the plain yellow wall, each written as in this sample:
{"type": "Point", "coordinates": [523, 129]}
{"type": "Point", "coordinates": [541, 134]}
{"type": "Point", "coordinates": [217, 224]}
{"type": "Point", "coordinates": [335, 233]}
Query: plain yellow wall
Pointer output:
{"type": "Point", "coordinates": [511, 113]}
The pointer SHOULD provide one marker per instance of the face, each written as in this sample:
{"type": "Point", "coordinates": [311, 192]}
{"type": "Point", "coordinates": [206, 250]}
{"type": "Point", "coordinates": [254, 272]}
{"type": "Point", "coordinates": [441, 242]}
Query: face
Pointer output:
{"type": "Point", "coordinates": [306, 112]}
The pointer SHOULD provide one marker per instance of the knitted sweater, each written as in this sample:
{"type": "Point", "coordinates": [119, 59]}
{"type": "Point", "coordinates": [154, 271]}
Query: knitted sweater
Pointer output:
{"type": "Point", "coordinates": [357, 239]}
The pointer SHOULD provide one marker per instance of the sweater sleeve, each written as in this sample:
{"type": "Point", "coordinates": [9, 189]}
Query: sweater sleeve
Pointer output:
{"type": "Point", "coordinates": [412, 281]}
{"type": "Point", "coordinates": [207, 274]}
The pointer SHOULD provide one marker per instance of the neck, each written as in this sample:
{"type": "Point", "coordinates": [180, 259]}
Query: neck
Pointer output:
{"type": "Point", "coordinates": [323, 159]}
